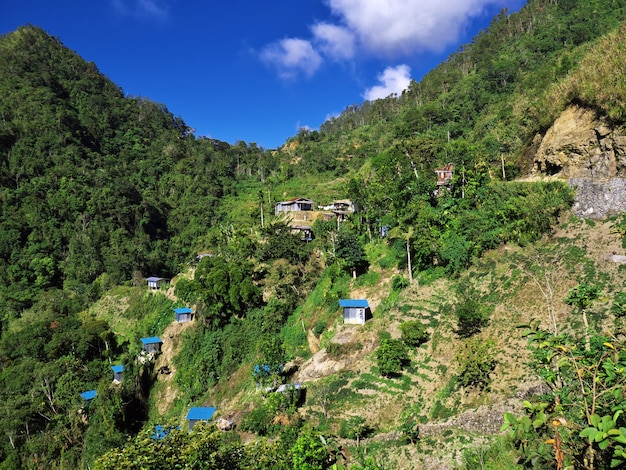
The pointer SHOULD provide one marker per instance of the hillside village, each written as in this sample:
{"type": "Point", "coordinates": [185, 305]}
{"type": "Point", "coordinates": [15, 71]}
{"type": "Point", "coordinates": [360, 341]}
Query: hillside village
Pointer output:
{"type": "Point", "coordinates": [433, 280]}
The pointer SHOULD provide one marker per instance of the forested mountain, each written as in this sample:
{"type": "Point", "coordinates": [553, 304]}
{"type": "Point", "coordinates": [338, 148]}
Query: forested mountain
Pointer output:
{"type": "Point", "coordinates": [93, 181]}
{"type": "Point", "coordinates": [99, 190]}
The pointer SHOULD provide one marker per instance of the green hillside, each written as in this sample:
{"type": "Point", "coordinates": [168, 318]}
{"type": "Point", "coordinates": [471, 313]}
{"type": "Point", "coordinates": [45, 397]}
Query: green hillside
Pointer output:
{"type": "Point", "coordinates": [491, 303]}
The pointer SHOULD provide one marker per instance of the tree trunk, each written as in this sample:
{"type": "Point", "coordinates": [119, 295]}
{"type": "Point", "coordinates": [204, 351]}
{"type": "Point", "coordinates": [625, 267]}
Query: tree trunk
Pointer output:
{"type": "Point", "coordinates": [408, 261]}
{"type": "Point", "coordinates": [590, 457]}
{"type": "Point", "coordinates": [587, 340]}
{"type": "Point", "coordinates": [262, 224]}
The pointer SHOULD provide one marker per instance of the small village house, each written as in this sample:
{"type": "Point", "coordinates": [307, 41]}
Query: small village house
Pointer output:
{"type": "Point", "coordinates": [340, 209]}
{"type": "Point", "coordinates": [298, 204]}
{"type": "Point", "coordinates": [444, 174]}
{"type": "Point", "coordinates": [305, 232]}
{"type": "Point", "coordinates": [118, 373]}
{"type": "Point", "coordinates": [355, 311]}
{"type": "Point", "coordinates": [151, 344]}
{"type": "Point", "coordinates": [155, 283]}
{"type": "Point", "coordinates": [199, 413]}
{"type": "Point", "coordinates": [183, 314]}
{"type": "Point", "coordinates": [295, 388]}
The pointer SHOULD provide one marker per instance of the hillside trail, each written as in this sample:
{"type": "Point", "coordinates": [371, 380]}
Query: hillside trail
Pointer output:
{"type": "Point", "coordinates": [167, 391]}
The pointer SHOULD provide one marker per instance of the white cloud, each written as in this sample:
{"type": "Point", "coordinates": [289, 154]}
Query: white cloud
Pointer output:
{"type": "Point", "coordinates": [292, 57]}
{"type": "Point", "coordinates": [394, 27]}
{"type": "Point", "coordinates": [335, 41]}
{"type": "Point", "coordinates": [393, 80]}
{"type": "Point", "coordinates": [141, 8]}
{"type": "Point", "coordinates": [381, 28]}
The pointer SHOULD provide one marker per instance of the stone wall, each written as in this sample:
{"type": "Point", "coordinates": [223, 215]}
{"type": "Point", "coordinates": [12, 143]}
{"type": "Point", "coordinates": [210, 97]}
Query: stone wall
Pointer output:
{"type": "Point", "coordinates": [598, 199]}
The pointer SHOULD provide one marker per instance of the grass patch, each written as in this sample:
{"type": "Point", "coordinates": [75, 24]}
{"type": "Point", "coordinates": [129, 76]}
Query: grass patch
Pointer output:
{"type": "Point", "coordinates": [369, 279]}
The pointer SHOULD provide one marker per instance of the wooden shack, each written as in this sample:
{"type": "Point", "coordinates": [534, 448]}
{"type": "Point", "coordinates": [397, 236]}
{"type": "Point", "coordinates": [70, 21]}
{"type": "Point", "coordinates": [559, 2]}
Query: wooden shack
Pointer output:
{"type": "Point", "coordinates": [298, 204]}
{"type": "Point", "coordinates": [445, 174]}
{"type": "Point", "coordinates": [304, 231]}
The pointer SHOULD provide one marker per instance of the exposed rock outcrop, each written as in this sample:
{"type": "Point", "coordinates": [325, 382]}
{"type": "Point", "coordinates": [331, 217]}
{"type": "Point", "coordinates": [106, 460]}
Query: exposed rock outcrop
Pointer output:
{"type": "Point", "coordinates": [598, 199]}
{"type": "Point", "coordinates": [580, 144]}
{"type": "Point", "coordinates": [590, 153]}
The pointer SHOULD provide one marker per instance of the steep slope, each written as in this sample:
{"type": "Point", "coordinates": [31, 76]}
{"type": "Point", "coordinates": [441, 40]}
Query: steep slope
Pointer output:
{"type": "Point", "coordinates": [98, 189]}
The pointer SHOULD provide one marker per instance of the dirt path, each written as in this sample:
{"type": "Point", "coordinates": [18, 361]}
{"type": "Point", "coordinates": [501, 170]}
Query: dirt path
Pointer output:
{"type": "Point", "coordinates": [167, 391]}
{"type": "Point", "coordinates": [165, 368]}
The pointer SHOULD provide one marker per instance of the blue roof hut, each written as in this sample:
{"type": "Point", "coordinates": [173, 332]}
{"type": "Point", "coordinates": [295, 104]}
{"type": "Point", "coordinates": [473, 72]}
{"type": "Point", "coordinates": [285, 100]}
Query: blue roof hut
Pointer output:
{"type": "Point", "coordinates": [88, 395]}
{"type": "Point", "coordinates": [199, 413]}
{"type": "Point", "coordinates": [151, 344]}
{"type": "Point", "coordinates": [183, 314]}
{"type": "Point", "coordinates": [118, 373]}
{"type": "Point", "coordinates": [355, 311]}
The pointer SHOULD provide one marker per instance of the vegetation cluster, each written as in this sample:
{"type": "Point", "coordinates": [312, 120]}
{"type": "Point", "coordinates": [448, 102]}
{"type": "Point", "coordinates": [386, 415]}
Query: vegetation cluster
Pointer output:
{"type": "Point", "coordinates": [99, 190]}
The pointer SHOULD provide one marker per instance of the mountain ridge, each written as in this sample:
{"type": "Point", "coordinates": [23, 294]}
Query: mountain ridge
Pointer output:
{"type": "Point", "coordinates": [98, 191]}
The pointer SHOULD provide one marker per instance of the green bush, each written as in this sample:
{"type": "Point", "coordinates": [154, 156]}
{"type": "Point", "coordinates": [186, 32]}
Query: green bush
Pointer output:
{"type": "Point", "coordinates": [476, 359]}
{"type": "Point", "coordinates": [399, 282]}
{"type": "Point", "coordinates": [355, 428]}
{"type": "Point", "coordinates": [413, 333]}
{"type": "Point", "coordinates": [310, 452]}
{"type": "Point", "coordinates": [619, 305]}
{"type": "Point", "coordinates": [258, 421]}
{"type": "Point", "coordinates": [335, 350]}
{"type": "Point", "coordinates": [410, 430]}
{"type": "Point", "coordinates": [319, 328]}
{"type": "Point", "coordinates": [391, 356]}
{"type": "Point", "coordinates": [471, 311]}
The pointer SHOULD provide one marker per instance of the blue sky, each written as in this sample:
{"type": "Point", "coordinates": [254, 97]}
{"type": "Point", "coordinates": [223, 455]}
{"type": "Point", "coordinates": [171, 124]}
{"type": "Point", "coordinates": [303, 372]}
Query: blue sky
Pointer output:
{"type": "Point", "coordinates": [258, 71]}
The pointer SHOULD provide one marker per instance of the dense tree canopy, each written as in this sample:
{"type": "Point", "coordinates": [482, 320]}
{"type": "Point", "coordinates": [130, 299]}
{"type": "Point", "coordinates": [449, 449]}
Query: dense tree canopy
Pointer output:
{"type": "Point", "coordinates": [99, 189]}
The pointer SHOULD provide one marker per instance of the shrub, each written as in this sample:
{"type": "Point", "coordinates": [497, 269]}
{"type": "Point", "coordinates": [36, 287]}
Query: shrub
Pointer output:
{"type": "Point", "coordinates": [257, 421]}
{"type": "Point", "coordinates": [399, 282]}
{"type": "Point", "coordinates": [355, 428]}
{"type": "Point", "coordinates": [309, 452]}
{"type": "Point", "coordinates": [335, 349]}
{"type": "Point", "coordinates": [391, 356]}
{"type": "Point", "coordinates": [476, 359]}
{"type": "Point", "coordinates": [619, 305]}
{"type": "Point", "coordinates": [410, 430]}
{"type": "Point", "coordinates": [413, 333]}
{"type": "Point", "coordinates": [471, 312]}
{"type": "Point", "coordinates": [319, 328]}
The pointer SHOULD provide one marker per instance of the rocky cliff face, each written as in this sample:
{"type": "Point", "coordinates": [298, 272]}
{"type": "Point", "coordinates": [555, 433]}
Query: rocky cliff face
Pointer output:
{"type": "Point", "coordinates": [581, 144]}
{"type": "Point", "coordinates": [585, 149]}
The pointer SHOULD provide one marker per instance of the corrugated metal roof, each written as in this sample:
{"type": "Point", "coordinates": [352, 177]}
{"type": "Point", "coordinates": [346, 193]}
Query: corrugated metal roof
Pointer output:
{"type": "Point", "coordinates": [88, 395]}
{"type": "Point", "coordinates": [359, 303]}
{"type": "Point", "coordinates": [117, 369]}
{"type": "Point", "coordinates": [181, 310]}
{"type": "Point", "coordinates": [161, 433]}
{"type": "Point", "coordinates": [154, 279]}
{"type": "Point", "coordinates": [201, 412]}
{"type": "Point", "coordinates": [151, 340]}
{"type": "Point", "coordinates": [285, 387]}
